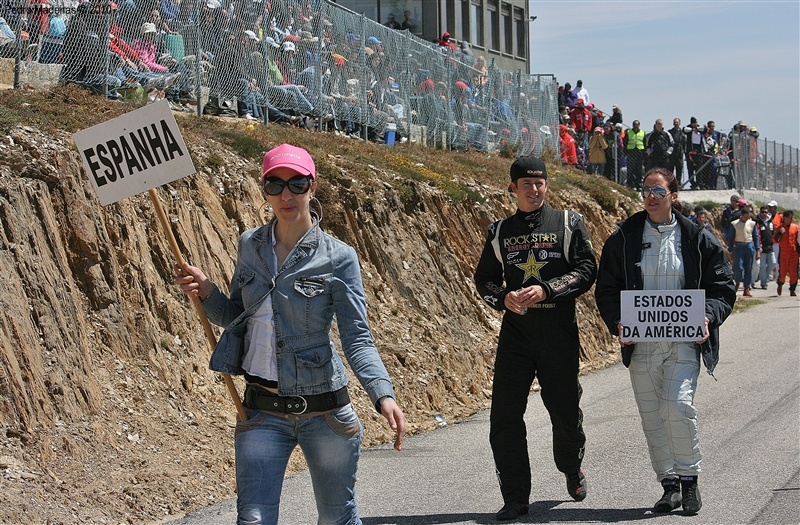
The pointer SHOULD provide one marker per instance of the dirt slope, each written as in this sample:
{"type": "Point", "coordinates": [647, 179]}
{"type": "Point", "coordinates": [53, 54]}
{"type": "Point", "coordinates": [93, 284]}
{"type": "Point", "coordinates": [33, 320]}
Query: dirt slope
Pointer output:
{"type": "Point", "coordinates": [108, 413]}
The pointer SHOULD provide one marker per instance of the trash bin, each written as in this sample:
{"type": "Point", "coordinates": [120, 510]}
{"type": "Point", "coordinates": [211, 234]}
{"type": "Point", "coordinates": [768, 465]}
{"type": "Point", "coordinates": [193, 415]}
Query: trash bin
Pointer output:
{"type": "Point", "coordinates": [174, 44]}
{"type": "Point", "coordinates": [391, 132]}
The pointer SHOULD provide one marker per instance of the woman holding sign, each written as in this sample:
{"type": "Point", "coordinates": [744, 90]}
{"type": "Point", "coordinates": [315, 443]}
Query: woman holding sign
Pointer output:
{"type": "Point", "coordinates": [290, 279]}
{"type": "Point", "coordinates": [659, 249]}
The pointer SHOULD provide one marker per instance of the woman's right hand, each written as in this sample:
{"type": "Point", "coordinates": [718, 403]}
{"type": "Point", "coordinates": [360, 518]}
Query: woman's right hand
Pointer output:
{"type": "Point", "coordinates": [193, 281]}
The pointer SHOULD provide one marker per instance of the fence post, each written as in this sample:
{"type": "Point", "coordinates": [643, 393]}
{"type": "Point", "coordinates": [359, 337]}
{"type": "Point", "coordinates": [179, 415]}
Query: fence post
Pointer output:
{"type": "Point", "coordinates": [616, 156]}
{"type": "Point", "coordinates": [198, 56]}
{"type": "Point", "coordinates": [774, 165]}
{"type": "Point", "coordinates": [107, 39]}
{"type": "Point", "coordinates": [488, 95]}
{"type": "Point", "coordinates": [406, 90]}
{"type": "Point", "coordinates": [450, 129]}
{"type": "Point", "coordinates": [18, 57]}
{"type": "Point", "coordinates": [362, 58]}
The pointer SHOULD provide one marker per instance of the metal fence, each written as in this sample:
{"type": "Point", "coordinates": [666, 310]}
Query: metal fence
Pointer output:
{"type": "Point", "coordinates": [280, 59]}
{"type": "Point", "coordinates": [763, 164]}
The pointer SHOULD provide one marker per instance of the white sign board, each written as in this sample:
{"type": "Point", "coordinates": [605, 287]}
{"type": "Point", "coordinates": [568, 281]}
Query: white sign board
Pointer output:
{"type": "Point", "coordinates": [661, 315]}
{"type": "Point", "coordinates": [134, 152]}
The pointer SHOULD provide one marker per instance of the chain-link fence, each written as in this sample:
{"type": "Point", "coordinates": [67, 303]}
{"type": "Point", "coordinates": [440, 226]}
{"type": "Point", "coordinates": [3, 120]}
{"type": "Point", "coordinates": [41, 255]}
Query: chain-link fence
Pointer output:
{"type": "Point", "coordinates": [764, 164]}
{"type": "Point", "coordinates": [280, 60]}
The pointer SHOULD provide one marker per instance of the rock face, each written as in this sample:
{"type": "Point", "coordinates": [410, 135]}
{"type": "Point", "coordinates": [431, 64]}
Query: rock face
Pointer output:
{"type": "Point", "coordinates": [108, 412]}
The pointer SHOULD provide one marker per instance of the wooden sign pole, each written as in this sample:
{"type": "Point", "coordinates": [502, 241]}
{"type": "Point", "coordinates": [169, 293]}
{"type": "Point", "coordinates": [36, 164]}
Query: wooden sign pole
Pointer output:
{"type": "Point", "coordinates": [212, 340]}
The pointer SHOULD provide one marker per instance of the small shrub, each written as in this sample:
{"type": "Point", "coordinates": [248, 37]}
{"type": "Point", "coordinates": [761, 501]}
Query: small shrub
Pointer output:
{"type": "Point", "coordinates": [474, 195]}
{"type": "Point", "coordinates": [509, 151]}
{"type": "Point", "coordinates": [8, 119]}
{"type": "Point", "coordinates": [708, 205]}
{"type": "Point", "coordinates": [408, 196]}
{"type": "Point", "coordinates": [455, 192]}
{"type": "Point", "coordinates": [549, 154]}
{"type": "Point", "coordinates": [215, 161]}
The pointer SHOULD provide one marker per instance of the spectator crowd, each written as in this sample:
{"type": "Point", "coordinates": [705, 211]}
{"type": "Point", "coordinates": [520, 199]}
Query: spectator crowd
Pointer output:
{"type": "Point", "coordinates": [287, 61]}
{"type": "Point", "coordinates": [304, 63]}
{"type": "Point", "coordinates": [763, 243]}
{"type": "Point", "coordinates": [603, 144]}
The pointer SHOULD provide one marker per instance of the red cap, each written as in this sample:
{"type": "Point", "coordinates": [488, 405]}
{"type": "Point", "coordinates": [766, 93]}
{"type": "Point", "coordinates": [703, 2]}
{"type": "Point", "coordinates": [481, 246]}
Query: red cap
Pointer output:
{"type": "Point", "coordinates": [288, 156]}
{"type": "Point", "coordinates": [461, 85]}
{"type": "Point", "coordinates": [427, 86]}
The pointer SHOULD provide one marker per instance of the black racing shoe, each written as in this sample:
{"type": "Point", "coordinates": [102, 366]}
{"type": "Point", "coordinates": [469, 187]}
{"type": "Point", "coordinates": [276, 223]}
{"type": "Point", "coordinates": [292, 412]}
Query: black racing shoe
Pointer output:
{"type": "Point", "coordinates": [512, 510]}
{"type": "Point", "coordinates": [691, 495]}
{"type": "Point", "coordinates": [577, 485]}
{"type": "Point", "coordinates": [671, 499]}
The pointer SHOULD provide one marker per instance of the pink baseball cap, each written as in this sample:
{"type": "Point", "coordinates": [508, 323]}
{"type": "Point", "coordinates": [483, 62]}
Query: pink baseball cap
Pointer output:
{"type": "Point", "coordinates": [288, 156]}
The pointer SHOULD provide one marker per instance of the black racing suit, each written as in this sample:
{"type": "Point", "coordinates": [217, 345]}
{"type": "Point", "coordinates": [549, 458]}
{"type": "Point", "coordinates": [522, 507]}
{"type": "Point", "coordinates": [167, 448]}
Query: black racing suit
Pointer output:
{"type": "Point", "coordinates": [536, 248]}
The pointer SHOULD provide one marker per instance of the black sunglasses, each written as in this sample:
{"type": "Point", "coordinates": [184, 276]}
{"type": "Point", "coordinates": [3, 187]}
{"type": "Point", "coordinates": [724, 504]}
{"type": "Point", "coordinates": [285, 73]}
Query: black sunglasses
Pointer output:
{"type": "Point", "coordinates": [299, 184]}
{"type": "Point", "coordinates": [659, 193]}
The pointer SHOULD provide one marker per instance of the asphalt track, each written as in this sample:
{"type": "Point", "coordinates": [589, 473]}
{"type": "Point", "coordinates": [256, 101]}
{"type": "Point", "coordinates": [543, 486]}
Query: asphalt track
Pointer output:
{"type": "Point", "coordinates": [750, 431]}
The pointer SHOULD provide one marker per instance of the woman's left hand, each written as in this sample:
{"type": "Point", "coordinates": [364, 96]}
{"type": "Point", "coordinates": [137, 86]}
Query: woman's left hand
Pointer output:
{"type": "Point", "coordinates": [705, 331]}
{"type": "Point", "coordinates": [397, 420]}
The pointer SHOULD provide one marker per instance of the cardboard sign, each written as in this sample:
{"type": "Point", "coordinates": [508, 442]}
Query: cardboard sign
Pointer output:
{"type": "Point", "coordinates": [134, 152]}
{"type": "Point", "coordinates": [661, 315]}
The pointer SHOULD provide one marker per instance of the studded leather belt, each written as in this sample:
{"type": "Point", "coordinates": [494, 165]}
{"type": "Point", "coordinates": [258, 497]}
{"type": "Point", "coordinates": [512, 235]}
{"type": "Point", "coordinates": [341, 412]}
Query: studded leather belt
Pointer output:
{"type": "Point", "coordinates": [257, 398]}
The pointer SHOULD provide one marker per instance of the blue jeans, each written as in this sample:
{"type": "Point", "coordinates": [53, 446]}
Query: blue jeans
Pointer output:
{"type": "Point", "coordinates": [289, 97]}
{"type": "Point", "coordinates": [766, 267]}
{"type": "Point", "coordinates": [743, 263]}
{"type": "Point", "coordinates": [330, 443]}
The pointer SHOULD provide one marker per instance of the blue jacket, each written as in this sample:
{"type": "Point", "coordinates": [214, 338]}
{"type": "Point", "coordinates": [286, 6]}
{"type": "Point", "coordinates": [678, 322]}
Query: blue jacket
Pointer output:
{"type": "Point", "coordinates": [320, 278]}
{"type": "Point", "coordinates": [705, 267]}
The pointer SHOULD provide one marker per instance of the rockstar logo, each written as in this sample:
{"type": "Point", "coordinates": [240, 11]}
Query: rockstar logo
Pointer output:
{"type": "Point", "coordinates": [531, 268]}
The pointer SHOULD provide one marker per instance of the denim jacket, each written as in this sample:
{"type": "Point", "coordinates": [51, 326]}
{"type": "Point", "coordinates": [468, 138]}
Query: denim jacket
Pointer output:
{"type": "Point", "coordinates": [320, 278]}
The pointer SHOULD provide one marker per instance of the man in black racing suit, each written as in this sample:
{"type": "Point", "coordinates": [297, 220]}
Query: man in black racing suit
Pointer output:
{"type": "Point", "coordinates": [533, 266]}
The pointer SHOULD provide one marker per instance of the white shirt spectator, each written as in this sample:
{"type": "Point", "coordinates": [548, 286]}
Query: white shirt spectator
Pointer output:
{"type": "Point", "coordinates": [582, 93]}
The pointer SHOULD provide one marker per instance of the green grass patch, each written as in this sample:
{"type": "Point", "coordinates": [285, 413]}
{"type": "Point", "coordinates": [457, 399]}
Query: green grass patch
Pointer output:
{"type": "Point", "coordinates": [745, 304]}
{"type": "Point", "coordinates": [455, 190]}
{"type": "Point", "coordinates": [8, 119]}
{"type": "Point", "coordinates": [601, 190]}
{"type": "Point", "coordinates": [243, 143]}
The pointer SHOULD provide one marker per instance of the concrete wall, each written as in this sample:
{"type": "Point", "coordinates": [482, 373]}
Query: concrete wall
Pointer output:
{"type": "Point", "coordinates": [33, 73]}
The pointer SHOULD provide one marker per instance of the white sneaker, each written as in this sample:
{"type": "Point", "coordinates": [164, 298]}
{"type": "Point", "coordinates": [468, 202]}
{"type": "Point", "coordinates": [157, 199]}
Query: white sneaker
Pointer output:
{"type": "Point", "coordinates": [248, 116]}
